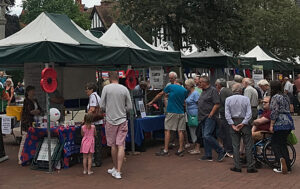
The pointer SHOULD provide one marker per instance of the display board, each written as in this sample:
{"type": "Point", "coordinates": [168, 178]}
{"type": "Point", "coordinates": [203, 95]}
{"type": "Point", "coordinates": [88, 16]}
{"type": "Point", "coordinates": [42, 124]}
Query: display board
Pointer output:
{"type": "Point", "coordinates": [74, 80]}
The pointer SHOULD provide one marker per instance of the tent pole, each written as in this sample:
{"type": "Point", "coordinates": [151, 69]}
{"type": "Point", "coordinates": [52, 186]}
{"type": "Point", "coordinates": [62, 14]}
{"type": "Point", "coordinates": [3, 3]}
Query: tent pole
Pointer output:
{"type": "Point", "coordinates": [272, 74]}
{"type": "Point", "coordinates": [48, 128]}
{"type": "Point", "coordinates": [144, 78]}
{"type": "Point", "coordinates": [132, 120]}
{"type": "Point", "coordinates": [180, 72]}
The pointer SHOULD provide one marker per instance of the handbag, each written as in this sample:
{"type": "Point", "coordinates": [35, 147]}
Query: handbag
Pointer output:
{"type": "Point", "coordinates": [192, 121]}
{"type": "Point", "coordinates": [97, 113]}
{"type": "Point", "coordinates": [292, 139]}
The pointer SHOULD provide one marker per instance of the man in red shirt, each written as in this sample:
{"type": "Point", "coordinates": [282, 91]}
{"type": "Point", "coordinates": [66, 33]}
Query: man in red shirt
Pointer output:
{"type": "Point", "coordinates": [262, 123]}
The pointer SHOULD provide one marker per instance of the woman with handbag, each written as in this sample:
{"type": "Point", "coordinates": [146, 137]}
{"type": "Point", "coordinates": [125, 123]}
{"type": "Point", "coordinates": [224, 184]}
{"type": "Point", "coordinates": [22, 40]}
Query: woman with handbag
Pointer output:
{"type": "Point", "coordinates": [192, 113]}
{"type": "Point", "coordinates": [94, 108]}
{"type": "Point", "coordinates": [281, 124]}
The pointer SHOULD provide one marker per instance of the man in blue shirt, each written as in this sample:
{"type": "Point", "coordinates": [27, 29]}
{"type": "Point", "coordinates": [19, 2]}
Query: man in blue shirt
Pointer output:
{"type": "Point", "coordinates": [175, 119]}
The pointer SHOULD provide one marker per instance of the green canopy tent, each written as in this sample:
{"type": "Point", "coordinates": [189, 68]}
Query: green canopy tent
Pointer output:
{"type": "Point", "coordinates": [56, 38]}
{"type": "Point", "coordinates": [268, 60]}
{"type": "Point", "coordinates": [141, 52]}
{"type": "Point", "coordinates": [212, 59]}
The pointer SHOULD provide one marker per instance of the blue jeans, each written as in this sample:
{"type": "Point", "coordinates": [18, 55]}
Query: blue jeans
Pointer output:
{"type": "Point", "coordinates": [209, 141]}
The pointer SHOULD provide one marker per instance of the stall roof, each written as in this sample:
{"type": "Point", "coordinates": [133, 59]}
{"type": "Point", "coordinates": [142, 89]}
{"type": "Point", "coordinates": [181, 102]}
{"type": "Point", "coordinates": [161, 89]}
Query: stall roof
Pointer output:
{"type": "Point", "coordinates": [212, 59]}
{"type": "Point", "coordinates": [142, 52]}
{"type": "Point", "coordinates": [56, 38]}
{"type": "Point", "coordinates": [268, 60]}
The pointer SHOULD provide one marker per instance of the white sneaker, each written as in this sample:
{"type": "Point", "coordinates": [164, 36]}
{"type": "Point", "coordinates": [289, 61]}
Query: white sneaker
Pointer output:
{"type": "Point", "coordinates": [117, 175]}
{"type": "Point", "coordinates": [277, 170]}
{"type": "Point", "coordinates": [111, 171]}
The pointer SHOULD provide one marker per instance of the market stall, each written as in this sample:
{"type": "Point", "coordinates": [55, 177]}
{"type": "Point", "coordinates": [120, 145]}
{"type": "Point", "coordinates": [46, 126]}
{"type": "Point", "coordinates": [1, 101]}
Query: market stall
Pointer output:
{"type": "Point", "coordinates": [269, 61]}
{"type": "Point", "coordinates": [55, 40]}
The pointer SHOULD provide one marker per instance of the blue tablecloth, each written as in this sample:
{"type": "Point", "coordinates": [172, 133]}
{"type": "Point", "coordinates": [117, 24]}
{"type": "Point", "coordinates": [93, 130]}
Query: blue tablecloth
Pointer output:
{"type": "Point", "coordinates": [147, 124]}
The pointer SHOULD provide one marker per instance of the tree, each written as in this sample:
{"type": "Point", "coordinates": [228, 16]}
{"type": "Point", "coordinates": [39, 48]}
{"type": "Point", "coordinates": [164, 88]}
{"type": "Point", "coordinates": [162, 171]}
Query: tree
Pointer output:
{"type": "Point", "coordinates": [33, 8]}
{"type": "Point", "coordinates": [231, 25]}
{"type": "Point", "coordinates": [206, 22]}
{"type": "Point", "coordinates": [276, 27]}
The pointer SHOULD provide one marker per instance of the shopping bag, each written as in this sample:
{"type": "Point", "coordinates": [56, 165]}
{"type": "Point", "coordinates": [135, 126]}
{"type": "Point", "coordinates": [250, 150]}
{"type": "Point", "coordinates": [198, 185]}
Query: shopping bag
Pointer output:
{"type": "Point", "coordinates": [292, 139]}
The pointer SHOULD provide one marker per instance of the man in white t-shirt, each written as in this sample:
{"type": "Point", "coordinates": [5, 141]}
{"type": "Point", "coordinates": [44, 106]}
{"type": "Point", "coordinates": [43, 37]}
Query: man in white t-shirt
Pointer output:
{"type": "Point", "coordinates": [116, 102]}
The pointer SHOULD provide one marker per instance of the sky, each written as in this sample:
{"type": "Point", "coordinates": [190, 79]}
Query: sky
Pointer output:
{"type": "Point", "coordinates": [17, 9]}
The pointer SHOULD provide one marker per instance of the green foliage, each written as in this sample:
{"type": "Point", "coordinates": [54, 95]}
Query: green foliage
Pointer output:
{"type": "Point", "coordinates": [232, 25]}
{"type": "Point", "coordinates": [33, 8]}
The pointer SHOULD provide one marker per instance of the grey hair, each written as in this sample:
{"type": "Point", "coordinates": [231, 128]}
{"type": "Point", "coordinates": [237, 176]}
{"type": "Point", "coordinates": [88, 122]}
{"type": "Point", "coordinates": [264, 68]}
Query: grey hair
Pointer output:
{"type": "Point", "coordinates": [238, 78]}
{"type": "Point", "coordinates": [237, 88]}
{"type": "Point", "coordinates": [222, 82]}
{"type": "Point", "coordinates": [263, 82]}
{"type": "Point", "coordinates": [205, 78]}
{"type": "Point", "coordinates": [173, 73]}
{"type": "Point", "coordinates": [252, 82]}
{"type": "Point", "coordinates": [190, 82]}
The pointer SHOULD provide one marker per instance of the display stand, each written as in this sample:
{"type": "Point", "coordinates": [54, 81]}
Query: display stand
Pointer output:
{"type": "Point", "coordinates": [3, 156]}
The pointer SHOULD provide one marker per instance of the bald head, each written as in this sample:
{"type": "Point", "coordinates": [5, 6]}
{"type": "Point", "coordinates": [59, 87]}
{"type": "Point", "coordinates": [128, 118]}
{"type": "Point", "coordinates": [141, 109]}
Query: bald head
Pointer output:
{"type": "Point", "coordinates": [246, 82]}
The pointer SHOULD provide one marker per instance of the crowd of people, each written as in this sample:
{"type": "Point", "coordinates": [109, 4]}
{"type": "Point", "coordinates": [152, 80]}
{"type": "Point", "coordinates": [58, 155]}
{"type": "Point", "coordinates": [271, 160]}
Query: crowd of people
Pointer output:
{"type": "Point", "coordinates": [230, 117]}
{"type": "Point", "coordinates": [227, 117]}
{"type": "Point", "coordinates": [10, 91]}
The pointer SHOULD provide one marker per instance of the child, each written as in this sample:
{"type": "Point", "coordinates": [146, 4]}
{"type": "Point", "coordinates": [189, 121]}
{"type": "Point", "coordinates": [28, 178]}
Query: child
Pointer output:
{"type": "Point", "coordinates": [88, 132]}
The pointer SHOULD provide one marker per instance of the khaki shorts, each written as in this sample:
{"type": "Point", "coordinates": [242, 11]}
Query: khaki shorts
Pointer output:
{"type": "Point", "coordinates": [175, 122]}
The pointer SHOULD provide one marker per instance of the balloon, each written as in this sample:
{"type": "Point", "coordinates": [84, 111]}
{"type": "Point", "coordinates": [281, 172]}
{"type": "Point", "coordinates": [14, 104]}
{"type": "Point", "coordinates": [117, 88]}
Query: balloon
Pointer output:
{"type": "Point", "coordinates": [54, 114]}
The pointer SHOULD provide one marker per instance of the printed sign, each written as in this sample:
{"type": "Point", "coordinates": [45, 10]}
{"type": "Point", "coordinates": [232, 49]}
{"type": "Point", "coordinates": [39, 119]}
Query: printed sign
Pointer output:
{"type": "Point", "coordinates": [6, 125]}
{"type": "Point", "coordinates": [257, 73]}
{"type": "Point", "coordinates": [43, 153]}
{"type": "Point", "coordinates": [142, 109]}
{"type": "Point", "coordinates": [156, 75]}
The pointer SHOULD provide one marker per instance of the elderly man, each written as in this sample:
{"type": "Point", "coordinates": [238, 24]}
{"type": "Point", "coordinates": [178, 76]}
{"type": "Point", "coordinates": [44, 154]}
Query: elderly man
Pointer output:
{"type": "Point", "coordinates": [265, 87]}
{"type": "Point", "coordinates": [236, 79]}
{"type": "Point", "coordinates": [197, 82]}
{"type": "Point", "coordinates": [262, 123]}
{"type": "Point", "coordinates": [175, 118]}
{"type": "Point", "coordinates": [238, 115]}
{"type": "Point", "coordinates": [172, 79]}
{"type": "Point", "coordinates": [223, 127]}
{"type": "Point", "coordinates": [208, 105]}
{"type": "Point", "coordinates": [252, 94]}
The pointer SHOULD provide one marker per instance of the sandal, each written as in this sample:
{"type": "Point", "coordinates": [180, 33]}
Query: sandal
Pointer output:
{"type": "Point", "coordinates": [89, 173]}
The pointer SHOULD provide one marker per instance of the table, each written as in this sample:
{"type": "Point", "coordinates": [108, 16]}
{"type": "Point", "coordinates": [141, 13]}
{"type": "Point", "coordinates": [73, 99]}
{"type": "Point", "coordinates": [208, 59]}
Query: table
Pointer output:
{"type": "Point", "coordinates": [65, 135]}
{"type": "Point", "coordinates": [147, 124]}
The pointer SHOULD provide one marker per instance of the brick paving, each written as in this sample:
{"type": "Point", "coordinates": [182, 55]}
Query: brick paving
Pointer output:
{"type": "Point", "coordinates": [148, 171]}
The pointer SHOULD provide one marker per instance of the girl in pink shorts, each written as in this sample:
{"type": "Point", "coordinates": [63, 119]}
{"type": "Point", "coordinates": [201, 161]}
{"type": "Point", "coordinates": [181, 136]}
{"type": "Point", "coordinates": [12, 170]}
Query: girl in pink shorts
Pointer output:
{"type": "Point", "coordinates": [88, 132]}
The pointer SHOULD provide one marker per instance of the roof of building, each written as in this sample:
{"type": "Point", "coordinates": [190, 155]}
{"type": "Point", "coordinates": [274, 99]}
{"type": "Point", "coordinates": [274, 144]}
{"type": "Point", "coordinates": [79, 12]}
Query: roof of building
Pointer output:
{"type": "Point", "coordinates": [107, 11]}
